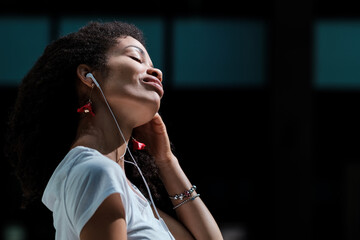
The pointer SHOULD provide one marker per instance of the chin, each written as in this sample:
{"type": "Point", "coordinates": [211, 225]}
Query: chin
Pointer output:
{"type": "Point", "coordinates": [140, 108]}
{"type": "Point", "coordinates": [146, 112]}
{"type": "Point", "coordinates": [153, 103]}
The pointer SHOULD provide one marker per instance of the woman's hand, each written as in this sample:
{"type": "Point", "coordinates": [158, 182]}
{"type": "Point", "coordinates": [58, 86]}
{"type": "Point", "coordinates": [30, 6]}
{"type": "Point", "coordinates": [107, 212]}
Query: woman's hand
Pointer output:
{"type": "Point", "coordinates": [194, 215]}
{"type": "Point", "coordinates": [156, 139]}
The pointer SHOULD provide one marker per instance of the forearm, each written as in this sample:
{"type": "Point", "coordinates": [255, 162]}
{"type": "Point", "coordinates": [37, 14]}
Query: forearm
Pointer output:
{"type": "Point", "coordinates": [193, 214]}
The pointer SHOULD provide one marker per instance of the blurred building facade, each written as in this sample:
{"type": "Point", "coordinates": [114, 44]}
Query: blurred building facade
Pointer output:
{"type": "Point", "coordinates": [260, 102]}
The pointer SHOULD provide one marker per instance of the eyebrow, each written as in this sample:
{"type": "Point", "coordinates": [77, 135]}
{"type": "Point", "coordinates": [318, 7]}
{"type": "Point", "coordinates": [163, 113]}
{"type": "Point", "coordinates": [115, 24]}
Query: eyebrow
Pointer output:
{"type": "Point", "coordinates": [140, 50]}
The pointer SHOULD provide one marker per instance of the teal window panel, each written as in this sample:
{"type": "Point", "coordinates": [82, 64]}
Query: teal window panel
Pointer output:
{"type": "Point", "coordinates": [213, 53]}
{"type": "Point", "coordinates": [23, 40]}
{"type": "Point", "coordinates": [152, 27]}
{"type": "Point", "coordinates": [337, 55]}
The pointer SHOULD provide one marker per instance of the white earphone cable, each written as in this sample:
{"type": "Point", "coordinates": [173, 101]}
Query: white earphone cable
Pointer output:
{"type": "Point", "coordinates": [132, 158]}
{"type": "Point", "coordinates": [128, 150]}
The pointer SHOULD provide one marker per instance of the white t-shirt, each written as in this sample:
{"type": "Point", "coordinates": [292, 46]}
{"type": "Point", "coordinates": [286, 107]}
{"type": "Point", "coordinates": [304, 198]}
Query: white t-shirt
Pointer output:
{"type": "Point", "coordinates": [81, 182]}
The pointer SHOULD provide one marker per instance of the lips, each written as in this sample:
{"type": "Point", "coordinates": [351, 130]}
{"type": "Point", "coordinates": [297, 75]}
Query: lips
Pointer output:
{"type": "Point", "coordinates": [155, 82]}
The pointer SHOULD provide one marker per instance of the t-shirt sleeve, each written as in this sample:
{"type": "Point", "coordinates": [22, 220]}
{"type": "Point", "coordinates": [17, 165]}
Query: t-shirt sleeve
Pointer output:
{"type": "Point", "coordinates": [88, 185]}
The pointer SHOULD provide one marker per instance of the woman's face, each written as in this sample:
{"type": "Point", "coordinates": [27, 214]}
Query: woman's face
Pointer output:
{"type": "Point", "coordinates": [132, 85]}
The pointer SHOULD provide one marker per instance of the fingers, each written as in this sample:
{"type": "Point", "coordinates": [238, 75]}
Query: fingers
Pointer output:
{"type": "Point", "coordinates": [158, 124]}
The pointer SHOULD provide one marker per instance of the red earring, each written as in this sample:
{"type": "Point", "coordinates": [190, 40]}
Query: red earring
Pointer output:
{"type": "Point", "coordinates": [87, 108]}
{"type": "Point", "coordinates": [137, 145]}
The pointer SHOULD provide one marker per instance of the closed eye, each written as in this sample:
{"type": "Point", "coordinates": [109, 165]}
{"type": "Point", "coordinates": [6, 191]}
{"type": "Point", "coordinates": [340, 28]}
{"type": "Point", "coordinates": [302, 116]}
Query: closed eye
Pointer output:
{"type": "Point", "coordinates": [136, 59]}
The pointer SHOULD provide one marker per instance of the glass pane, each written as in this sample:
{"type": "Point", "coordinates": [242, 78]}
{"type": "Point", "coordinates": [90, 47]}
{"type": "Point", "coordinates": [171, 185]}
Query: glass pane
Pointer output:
{"type": "Point", "coordinates": [337, 55]}
{"type": "Point", "coordinates": [23, 40]}
{"type": "Point", "coordinates": [218, 53]}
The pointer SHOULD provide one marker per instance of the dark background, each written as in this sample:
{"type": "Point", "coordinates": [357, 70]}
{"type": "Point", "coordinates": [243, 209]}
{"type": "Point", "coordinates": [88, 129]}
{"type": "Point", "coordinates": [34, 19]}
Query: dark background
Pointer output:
{"type": "Point", "coordinates": [279, 161]}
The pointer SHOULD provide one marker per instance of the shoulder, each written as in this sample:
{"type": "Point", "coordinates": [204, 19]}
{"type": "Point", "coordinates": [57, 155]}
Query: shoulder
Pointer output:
{"type": "Point", "coordinates": [93, 171]}
{"type": "Point", "coordinates": [91, 176]}
{"type": "Point", "coordinates": [91, 163]}
{"type": "Point", "coordinates": [91, 179]}
{"type": "Point", "coordinates": [90, 157]}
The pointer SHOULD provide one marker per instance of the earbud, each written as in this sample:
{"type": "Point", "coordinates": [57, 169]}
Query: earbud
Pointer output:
{"type": "Point", "coordinates": [93, 78]}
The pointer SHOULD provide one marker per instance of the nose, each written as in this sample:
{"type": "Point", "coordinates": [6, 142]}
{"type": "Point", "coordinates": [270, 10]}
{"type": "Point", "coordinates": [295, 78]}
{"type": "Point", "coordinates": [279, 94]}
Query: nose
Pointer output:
{"type": "Point", "coordinates": [155, 72]}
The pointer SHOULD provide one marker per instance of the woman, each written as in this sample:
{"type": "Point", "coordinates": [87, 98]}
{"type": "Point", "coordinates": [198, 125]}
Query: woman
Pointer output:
{"type": "Point", "coordinates": [79, 156]}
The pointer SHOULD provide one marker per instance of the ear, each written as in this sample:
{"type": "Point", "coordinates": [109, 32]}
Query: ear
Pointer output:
{"type": "Point", "coordinates": [81, 72]}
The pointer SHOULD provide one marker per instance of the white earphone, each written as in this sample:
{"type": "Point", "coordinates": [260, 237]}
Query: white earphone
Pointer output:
{"type": "Point", "coordinates": [90, 75]}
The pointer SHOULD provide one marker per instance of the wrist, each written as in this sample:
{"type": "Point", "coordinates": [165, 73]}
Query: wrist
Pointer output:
{"type": "Point", "coordinates": [166, 162]}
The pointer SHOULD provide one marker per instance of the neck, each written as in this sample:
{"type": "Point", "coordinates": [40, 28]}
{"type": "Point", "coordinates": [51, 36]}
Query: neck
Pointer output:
{"type": "Point", "coordinates": [101, 133]}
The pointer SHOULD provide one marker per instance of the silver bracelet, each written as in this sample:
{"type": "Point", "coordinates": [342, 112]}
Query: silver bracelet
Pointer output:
{"type": "Point", "coordinates": [187, 200]}
{"type": "Point", "coordinates": [183, 195]}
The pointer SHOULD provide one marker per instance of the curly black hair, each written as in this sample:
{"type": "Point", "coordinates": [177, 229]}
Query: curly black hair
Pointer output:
{"type": "Point", "coordinates": [43, 124]}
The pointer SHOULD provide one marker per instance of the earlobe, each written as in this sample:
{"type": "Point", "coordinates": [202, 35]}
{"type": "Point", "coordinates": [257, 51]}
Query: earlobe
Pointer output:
{"type": "Point", "coordinates": [81, 72]}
